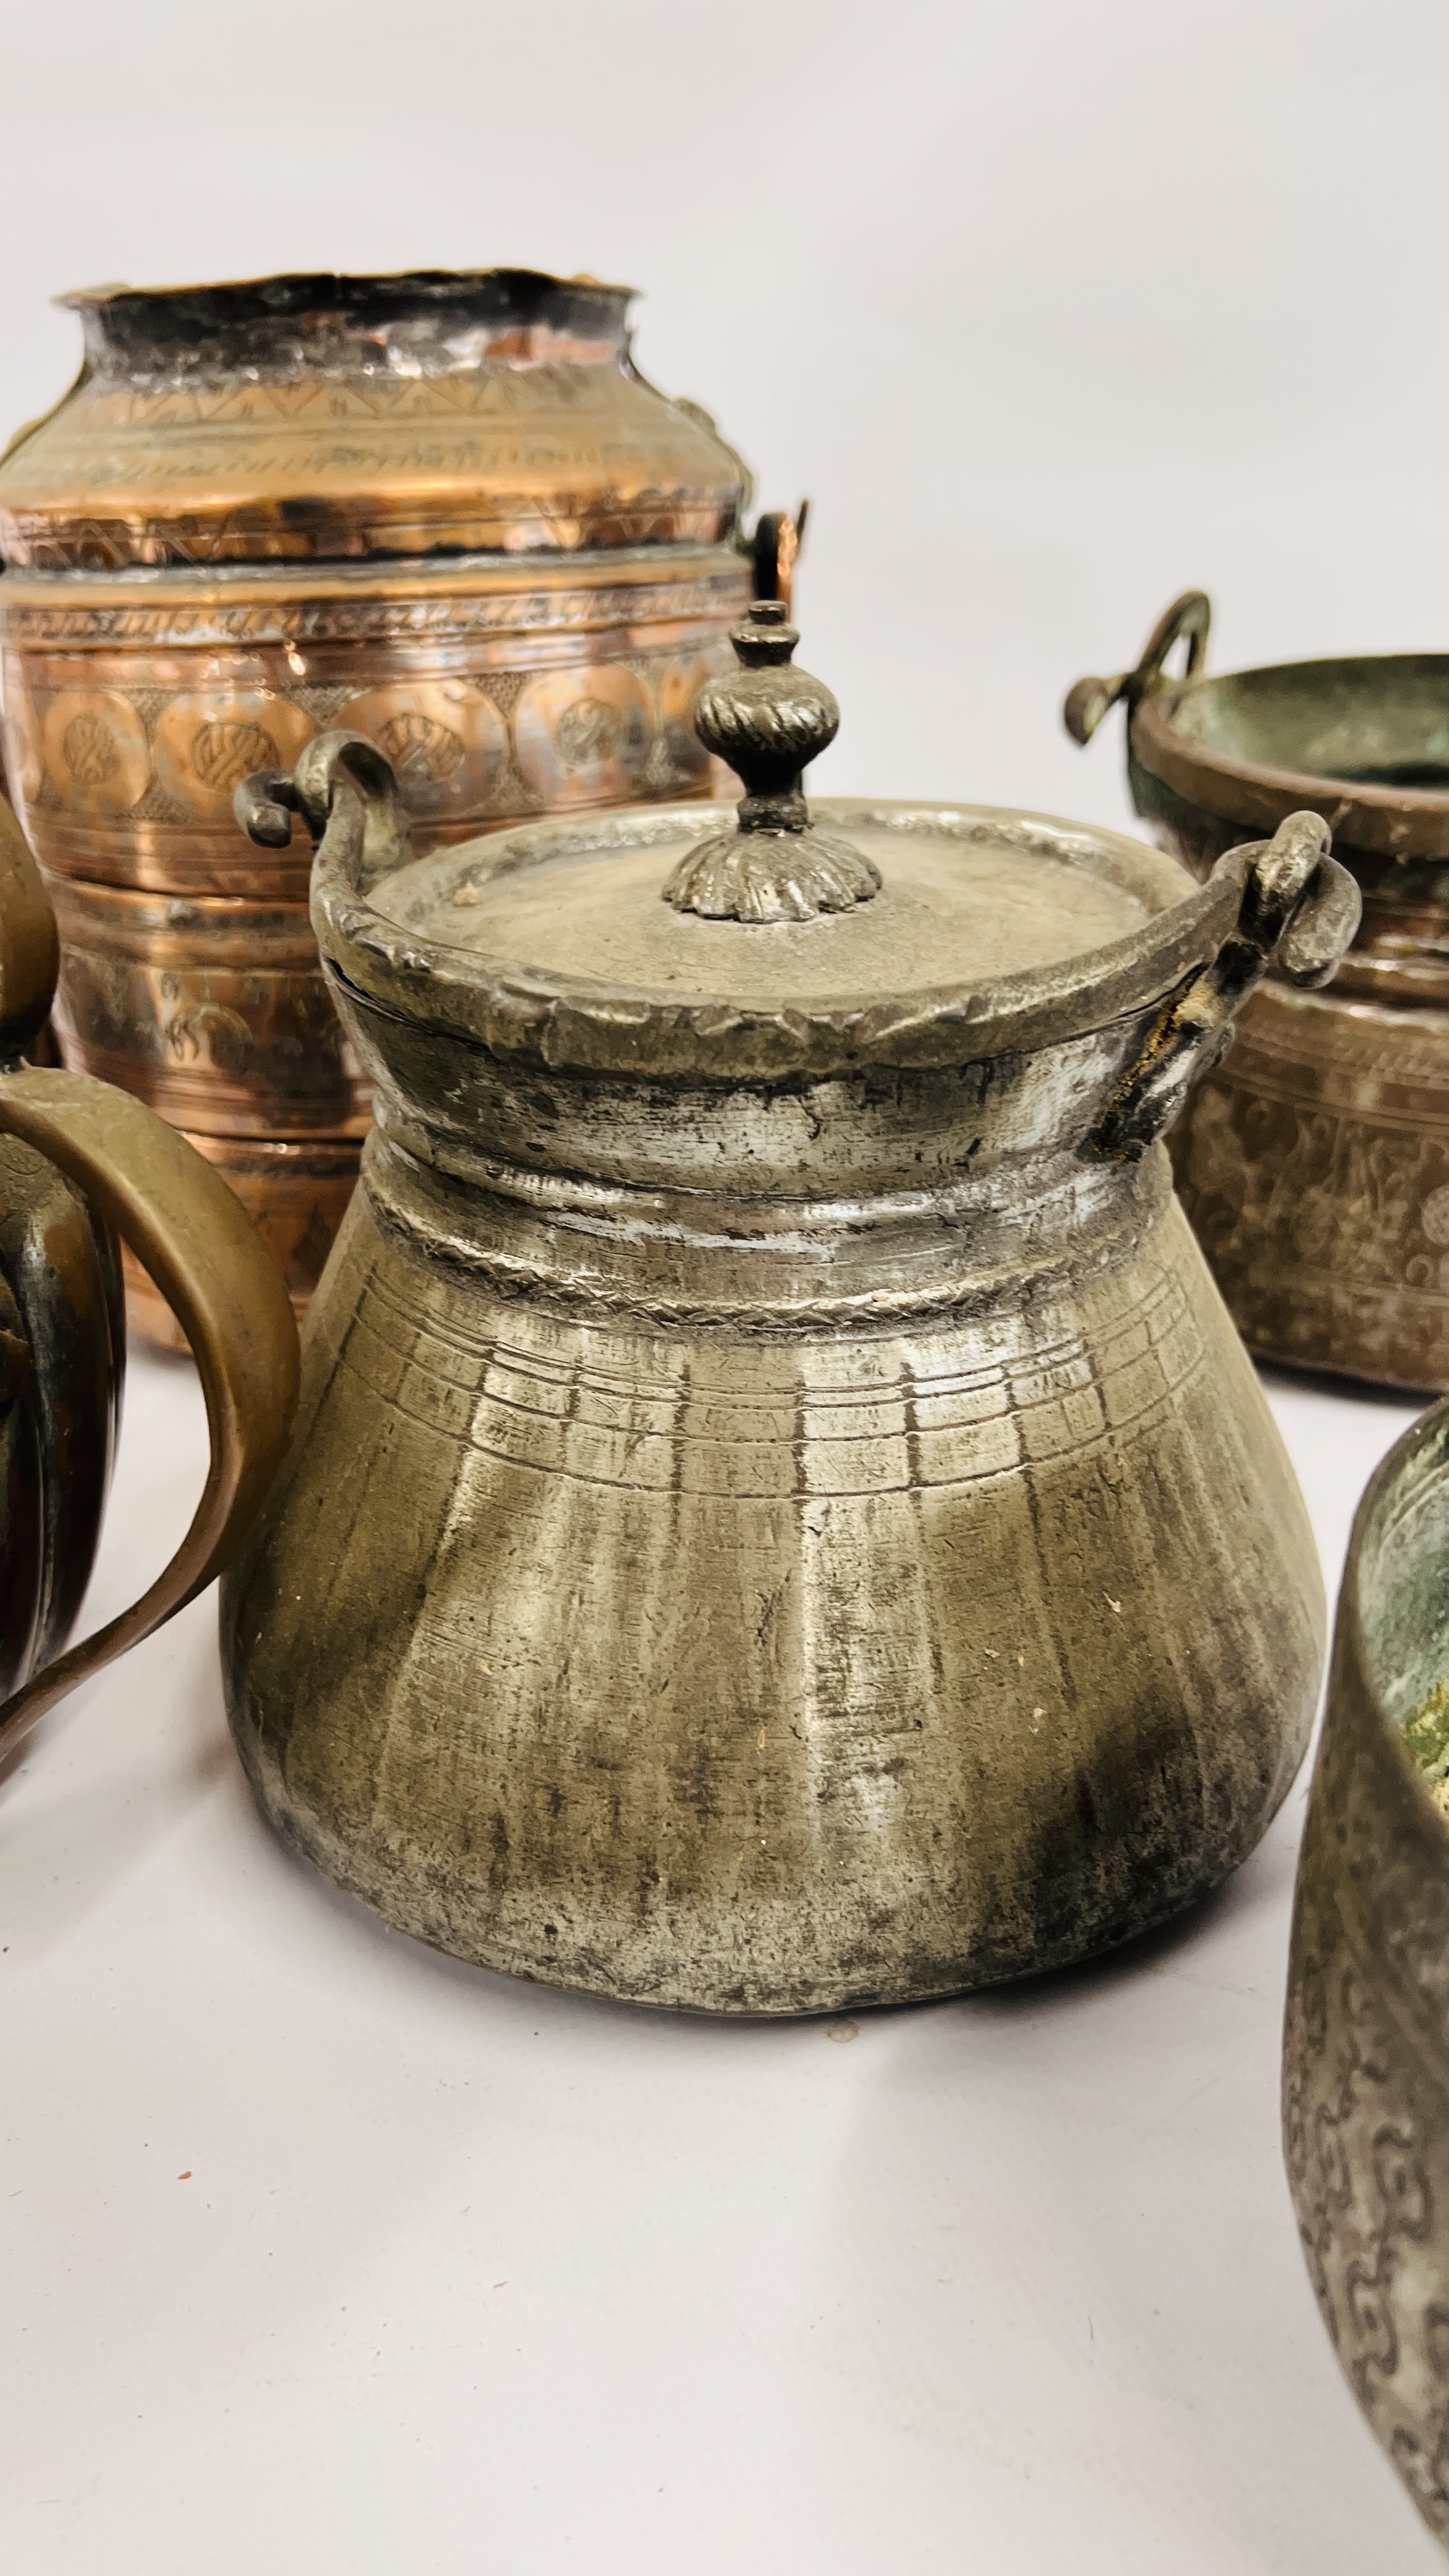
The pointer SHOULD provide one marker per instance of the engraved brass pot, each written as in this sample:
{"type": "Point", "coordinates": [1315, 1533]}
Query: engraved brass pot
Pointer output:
{"type": "Point", "coordinates": [83, 1169]}
{"type": "Point", "coordinates": [444, 511]}
{"type": "Point", "coordinates": [779, 1516]}
{"type": "Point", "coordinates": [1366, 2045]}
{"type": "Point", "coordinates": [1315, 1164]}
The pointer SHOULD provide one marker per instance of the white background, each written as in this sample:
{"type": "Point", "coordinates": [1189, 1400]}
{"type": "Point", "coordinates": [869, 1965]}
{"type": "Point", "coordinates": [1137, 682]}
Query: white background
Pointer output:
{"type": "Point", "coordinates": [476, 2278]}
{"type": "Point", "coordinates": [1052, 309]}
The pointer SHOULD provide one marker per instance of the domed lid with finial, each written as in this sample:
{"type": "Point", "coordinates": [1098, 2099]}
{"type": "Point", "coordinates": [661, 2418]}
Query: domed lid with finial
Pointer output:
{"type": "Point", "coordinates": [789, 939]}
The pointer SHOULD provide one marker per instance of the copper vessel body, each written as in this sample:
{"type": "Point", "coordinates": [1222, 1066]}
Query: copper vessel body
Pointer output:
{"type": "Point", "coordinates": [85, 1170]}
{"type": "Point", "coordinates": [1366, 2039]}
{"type": "Point", "coordinates": [1314, 1161]}
{"type": "Point", "coordinates": [779, 1516]}
{"type": "Point", "coordinates": [446, 513]}
{"type": "Point", "coordinates": [295, 1191]}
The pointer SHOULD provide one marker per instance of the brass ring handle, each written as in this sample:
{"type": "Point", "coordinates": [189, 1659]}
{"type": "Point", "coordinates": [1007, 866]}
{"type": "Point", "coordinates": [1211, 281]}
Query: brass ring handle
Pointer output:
{"type": "Point", "coordinates": [206, 1257]}
{"type": "Point", "coordinates": [1298, 911]}
{"type": "Point", "coordinates": [1086, 704]}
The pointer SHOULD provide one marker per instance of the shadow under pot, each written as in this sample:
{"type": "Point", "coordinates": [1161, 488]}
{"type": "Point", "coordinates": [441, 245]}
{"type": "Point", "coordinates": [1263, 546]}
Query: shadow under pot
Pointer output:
{"type": "Point", "coordinates": [779, 1517]}
{"type": "Point", "coordinates": [1314, 1163]}
{"type": "Point", "coordinates": [1366, 2042]}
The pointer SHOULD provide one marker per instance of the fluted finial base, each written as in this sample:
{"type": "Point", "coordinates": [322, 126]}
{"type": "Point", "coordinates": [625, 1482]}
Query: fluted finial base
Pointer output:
{"type": "Point", "coordinates": [771, 876]}
{"type": "Point", "coordinates": [769, 721]}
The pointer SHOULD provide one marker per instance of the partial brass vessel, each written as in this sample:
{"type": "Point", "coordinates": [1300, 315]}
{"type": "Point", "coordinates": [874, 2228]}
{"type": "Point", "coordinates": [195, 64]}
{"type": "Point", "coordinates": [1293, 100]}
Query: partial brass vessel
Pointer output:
{"type": "Point", "coordinates": [778, 1517]}
{"type": "Point", "coordinates": [1366, 2045]}
{"type": "Point", "coordinates": [82, 1169]}
{"type": "Point", "coordinates": [445, 511]}
{"type": "Point", "coordinates": [1315, 1164]}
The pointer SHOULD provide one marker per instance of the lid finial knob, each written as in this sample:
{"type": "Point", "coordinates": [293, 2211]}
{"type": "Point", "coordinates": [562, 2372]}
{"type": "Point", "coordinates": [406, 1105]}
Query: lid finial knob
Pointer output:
{"type": "Point", "coordinates": [769, 721]}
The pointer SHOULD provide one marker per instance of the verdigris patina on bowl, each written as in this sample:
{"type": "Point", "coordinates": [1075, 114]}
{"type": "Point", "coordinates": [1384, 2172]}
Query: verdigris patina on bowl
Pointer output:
{"type": "Point", "coordinates": [1314, 1164]}
{"type": "Point", "coordinates": [1366, 2049]}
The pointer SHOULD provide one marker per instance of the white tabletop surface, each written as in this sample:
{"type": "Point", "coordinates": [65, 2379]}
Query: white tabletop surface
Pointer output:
{"type": "Point", "coordinates": [324, 2253]}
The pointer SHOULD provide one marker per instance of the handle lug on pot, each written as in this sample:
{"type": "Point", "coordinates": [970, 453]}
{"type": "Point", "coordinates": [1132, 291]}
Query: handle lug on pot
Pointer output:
{"type": "Point", "coordinates": [1086, 704]}
{"type": "Point", "coordinates": [1298, 911]}
{"type": "Point", "coordinates": [341, 772]}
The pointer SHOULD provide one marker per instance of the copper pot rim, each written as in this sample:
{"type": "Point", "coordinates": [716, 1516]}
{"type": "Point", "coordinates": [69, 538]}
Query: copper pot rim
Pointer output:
{"type": "Point", "coordinates": [307, 283]}
{"type": "Point", "coordinates": [1398, 822]}
{"type": "Point", "coordinates": [155, 912]}
{"type": "Point", "coordinates": [298, 580]}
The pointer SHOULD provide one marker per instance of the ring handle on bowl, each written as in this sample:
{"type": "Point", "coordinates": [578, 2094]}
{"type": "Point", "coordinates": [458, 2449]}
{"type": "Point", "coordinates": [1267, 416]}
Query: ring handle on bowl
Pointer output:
{"type": "Point", "coordinates": [1297, 911]}
{"type": "Point", "coordinates": [228, 1295]}
{"type": "Point", "coordinates": [1190, 616]}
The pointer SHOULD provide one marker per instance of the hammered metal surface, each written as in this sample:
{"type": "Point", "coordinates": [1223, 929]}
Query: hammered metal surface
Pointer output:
{"type": "Point", "coordinates": [1313, 1163]}
{"type": "Point", "coordinates": [136, 703]}
{"type": "Point", "coordinates": [1366, 2044]}
{"type": "Point", "coordinates": [545, 556]}
{"type": "Point", "coordinates": [331, 416]}
{"type": "Point", "coordinates": [761, 1674]}
{"type": "Point", "coordinates": [777, 1518]}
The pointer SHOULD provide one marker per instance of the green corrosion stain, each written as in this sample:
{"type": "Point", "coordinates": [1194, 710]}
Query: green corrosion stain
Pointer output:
{"type": "Point", "coordinates": [1427, 1736]}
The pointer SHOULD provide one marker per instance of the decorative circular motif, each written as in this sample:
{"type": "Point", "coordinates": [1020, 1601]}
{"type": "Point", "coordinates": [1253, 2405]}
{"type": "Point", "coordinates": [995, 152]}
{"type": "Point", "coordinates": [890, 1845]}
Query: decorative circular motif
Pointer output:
{"type": "Point", "coordinates": [92, 753]}
{"type": "Point", "coordinates": [96, 751]}
{"type": "Point", "coordinates": [24, 767]}
{"type": "Point", "coordinates": [583, 737]}
{"type": "Point", "coordinates": [678, 689]}
{"type": "Point", "coordinates": [420, 749]}
{"type": "Point", "coordinates": [1434, 1215]}
{"type": "Point", "coordinates": [224, 754]}
{"type": "Point", "coordinates": [208, 743]}
{"type": "Point", "coordinates": [446, 743]}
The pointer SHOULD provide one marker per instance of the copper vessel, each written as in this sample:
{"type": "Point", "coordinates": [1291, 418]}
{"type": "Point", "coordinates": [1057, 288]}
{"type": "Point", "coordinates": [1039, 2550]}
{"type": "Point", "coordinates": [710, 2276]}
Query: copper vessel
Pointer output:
{"type": "Point", "coordinates": [83, 1170]}
{"type": "Point", "coordinates": [1315, 1163]}
{"type": "Point", "coordinates": [1366, 2039]}
{"type": "Point", "coordinates": [443, 511]}
{"type": "Point", "coordinates": [779, 1516]}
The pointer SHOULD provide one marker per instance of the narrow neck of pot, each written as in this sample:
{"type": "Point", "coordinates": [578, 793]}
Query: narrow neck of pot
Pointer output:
{"type": "Point", "coordinates": [868, 1133]}
{"type": "Point", "coordinates": [426, 323]}
{"type": "Point", "coordinates": [900, 1260]}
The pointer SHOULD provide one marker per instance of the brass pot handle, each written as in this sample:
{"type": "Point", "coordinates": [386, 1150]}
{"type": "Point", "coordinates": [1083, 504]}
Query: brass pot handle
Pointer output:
{"type": "Point", "coordinates": [1298, 911]}
{"type": "Point", "coordinates": [206, 1257]}
{"type": "Point", "coordinates": [1090, 700]}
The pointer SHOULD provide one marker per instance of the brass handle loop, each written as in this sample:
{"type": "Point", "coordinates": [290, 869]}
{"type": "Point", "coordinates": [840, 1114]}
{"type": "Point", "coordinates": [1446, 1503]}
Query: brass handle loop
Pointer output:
{"type": "Point", "coordinates": [1298, 911]}
{"type": "Point", "coordinates": [1090, 700]}
{"type": "Point", "coordinates": [228, 1295]}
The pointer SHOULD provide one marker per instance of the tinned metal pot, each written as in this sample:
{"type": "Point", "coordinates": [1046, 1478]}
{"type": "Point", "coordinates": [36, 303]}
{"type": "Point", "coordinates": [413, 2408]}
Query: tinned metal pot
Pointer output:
{"type": "Point", "coordinates": [1315, 1163]}
{"type": "Point", "coordinates": [1366, 2045]}
{"type": "Point", "coordinates": [442, 510]}
{"type": "Point", "coordinates": [779, 1515]}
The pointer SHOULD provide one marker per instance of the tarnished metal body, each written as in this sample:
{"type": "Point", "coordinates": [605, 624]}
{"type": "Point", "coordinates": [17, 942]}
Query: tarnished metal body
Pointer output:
{"type": "Point", "coordinates": [446, 512]}
{"type": "Point", "coordinates": [1366, 2047]}
{"type": "Point", "coordinates": [779, 1516]}
{"type": "Point", "coordinates": [1315, 1164]}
